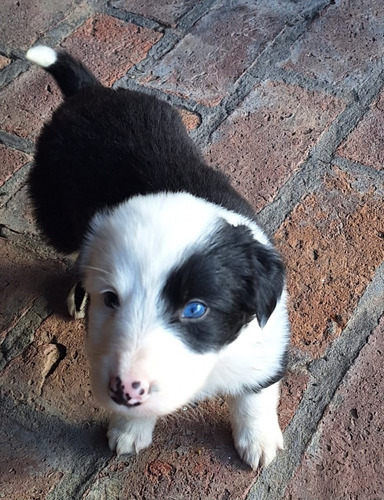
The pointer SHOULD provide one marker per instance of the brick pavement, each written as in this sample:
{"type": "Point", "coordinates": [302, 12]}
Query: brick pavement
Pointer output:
{"type": "Point", "coordinates": [286, 97]}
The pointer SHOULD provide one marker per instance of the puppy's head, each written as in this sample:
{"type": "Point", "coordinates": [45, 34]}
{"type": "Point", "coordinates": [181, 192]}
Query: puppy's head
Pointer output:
{"type": "Point", "coordinates": [172, 280]}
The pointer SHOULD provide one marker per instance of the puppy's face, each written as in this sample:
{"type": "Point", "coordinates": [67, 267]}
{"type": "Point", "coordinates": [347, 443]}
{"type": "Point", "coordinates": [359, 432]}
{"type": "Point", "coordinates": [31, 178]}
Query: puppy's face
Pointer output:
{"type": "Point", "coordinates": [171, 283]}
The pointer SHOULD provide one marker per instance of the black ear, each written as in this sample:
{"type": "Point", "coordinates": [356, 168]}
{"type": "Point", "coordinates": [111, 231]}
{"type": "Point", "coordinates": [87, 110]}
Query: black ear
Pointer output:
{"type": "Point", "coordinates": [262, 274]}
{"type": "Point", "coordinates": [267, 282]}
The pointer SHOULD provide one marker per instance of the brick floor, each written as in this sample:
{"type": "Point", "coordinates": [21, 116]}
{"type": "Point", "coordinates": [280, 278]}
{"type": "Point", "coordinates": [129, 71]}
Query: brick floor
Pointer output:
{"type": "Point", "coordinates": [110, 46]}
{"type": "Point", "coordinates": [364, 144]}
{"type": "Point", "coordinates": [328, 275]}
{"type": "Point", "coordinates": [24, 112]}
{"type": "Point", "coordinates": [12, 160]}
{"type": "Point", "coordinates": [233, 35]}
{"type": "Point", "coordinates": [267, 138]}
{"type": "Point", "coordinates": [287, 100]}
{"type": "Point", "coordinates": [344, 459]}
{"type": "Point", "coordinates": [343, 42]}
{"type": "Point", "coordinates": [22, 23]}
{"type": "Point", "coordinates": [4, 61]}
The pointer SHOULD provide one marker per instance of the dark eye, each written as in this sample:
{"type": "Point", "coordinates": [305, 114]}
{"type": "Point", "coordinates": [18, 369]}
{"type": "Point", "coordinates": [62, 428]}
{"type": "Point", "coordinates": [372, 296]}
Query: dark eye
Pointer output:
{"type": "Point", "coordinates": [111, 300]}
{"type": "Point", "coordinates": [194, 310]}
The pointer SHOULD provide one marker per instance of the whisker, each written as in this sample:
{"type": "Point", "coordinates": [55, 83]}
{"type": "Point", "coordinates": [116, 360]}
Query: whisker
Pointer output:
{"type": "Point", "coordinates": [92, 268]}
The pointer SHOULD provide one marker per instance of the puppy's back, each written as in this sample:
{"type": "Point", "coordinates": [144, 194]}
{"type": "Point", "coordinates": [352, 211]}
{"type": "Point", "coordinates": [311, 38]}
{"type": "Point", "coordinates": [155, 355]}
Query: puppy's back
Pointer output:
{"type": "Point", "coordinates": [103, 146]}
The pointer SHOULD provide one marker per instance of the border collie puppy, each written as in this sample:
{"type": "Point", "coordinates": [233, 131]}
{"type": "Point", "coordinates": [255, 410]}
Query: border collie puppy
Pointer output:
{"type": "Point", "coordinates": [186, 292]}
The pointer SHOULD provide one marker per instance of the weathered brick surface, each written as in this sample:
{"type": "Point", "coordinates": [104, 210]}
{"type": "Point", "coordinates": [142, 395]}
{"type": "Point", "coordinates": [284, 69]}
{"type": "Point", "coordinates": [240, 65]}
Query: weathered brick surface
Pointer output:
{"type": "Point", "coordinates": [109, 46]}
{"type": "Point", "coordinates": [27, 102]}
{"type": "Point", "coordinates": [191, 120]}
{"type": "Point", "coordinates": [11, 160]}
{"type": "Point", "coordinates": [18, 213]}
{"type": "Point", "coordinates": [26, 471]}
{"type": "Point", "coordinates": [40, 451]}
{"type": "Point", "coordinates": [23, 279]}
{"type": "Point", "coordinates": [54, 373]}
{"type": "Point", "coordinates": [332, 243]}
{"type": "Point", "coordinates": [293, 386]}
{"type": "Point", "coordinates": [342, 44]}
{"type": "Point", "coordinates": [22, 23]}
{"type": "Point", "coordinates": [166, 12]}
{"type": "Point", "coordinates": [345, 459]}
{"type": "Point", "coordinates": [4, 61]}
{"type": "Point", "coordinates": [264, 141]}
{"type": "Point", "coordinates": [366, 143]}
{"type": "Point", "coordinates": [217, 50]}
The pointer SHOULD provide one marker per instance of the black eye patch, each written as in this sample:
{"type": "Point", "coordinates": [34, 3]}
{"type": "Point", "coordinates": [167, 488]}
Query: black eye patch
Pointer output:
{"type": "Point", "coordinates": [237, 277]}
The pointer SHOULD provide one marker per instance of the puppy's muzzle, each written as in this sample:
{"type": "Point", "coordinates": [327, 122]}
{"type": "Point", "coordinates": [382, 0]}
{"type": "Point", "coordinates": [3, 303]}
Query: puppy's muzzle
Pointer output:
{"type": "Point", "coordinates": [129, 392]}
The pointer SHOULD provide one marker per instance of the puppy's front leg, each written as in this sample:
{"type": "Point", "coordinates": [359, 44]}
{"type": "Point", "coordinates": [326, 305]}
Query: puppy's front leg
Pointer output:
{"type": "Point", "coordinates": [255, 427]}
{"type": "Point", "coordinates": [130, 435]}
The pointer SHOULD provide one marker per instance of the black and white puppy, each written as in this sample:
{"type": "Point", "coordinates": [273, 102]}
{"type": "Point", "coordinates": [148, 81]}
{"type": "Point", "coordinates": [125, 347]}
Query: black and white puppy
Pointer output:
{"type": "Point", "coordinates": [186, 292]}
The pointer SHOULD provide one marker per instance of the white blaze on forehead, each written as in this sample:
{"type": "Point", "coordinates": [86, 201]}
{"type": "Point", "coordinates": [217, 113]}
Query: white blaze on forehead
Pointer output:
{"type": "Point", "coordinates": [148, 235]}
{"type": "Point", "coordinates": [157, 228]}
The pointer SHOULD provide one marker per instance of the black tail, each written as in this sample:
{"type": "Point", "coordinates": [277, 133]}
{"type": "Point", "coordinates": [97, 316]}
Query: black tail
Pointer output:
{"type": "Point", "coordinates": [71, 75]}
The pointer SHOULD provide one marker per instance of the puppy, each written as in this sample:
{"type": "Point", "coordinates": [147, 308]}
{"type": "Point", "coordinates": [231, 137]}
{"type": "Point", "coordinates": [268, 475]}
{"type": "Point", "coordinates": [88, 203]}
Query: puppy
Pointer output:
{"type": "Point", "coordinates": [186, 292]}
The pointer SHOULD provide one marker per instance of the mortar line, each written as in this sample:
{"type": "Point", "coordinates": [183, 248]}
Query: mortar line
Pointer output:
{"type": "Point", "coordinates": [360, 169]}
{"type": "Point", "coordinates": [323, 152]}
{"type": "Point", "coordinates": [12, 71]}
{"type": "Point", "coordinates": [15, 142]}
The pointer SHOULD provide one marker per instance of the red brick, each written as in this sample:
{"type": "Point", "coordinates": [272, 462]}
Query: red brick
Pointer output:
{"type": "Point", "coordinates": [28, 102]}
{"type": "Point", "coordinates": [293, 386]}
{"type": "Point", "coordinates": [332, 243]}
{"type": "Point", "coordinates": [109, 46]}
{"type": "Point", "coordinates": [191, 120]}
{"type": "Point", "coordinates": [264, 141]}
{"type": "Point", "coordinates": [365, 144]}
{"type": "Point", "coordinates": [166, 11]}
{"type": "Point", "coordinates": [4, 61]}
{"type": "Point", "coordinates": [53, 372]}
{"type": "Point", "coordinates": [23, 279]}
{"type": "Point", "coordinates": [343, 43]}
{"type": "Point", "coordinates": [11, 160]}
{"type": "Point", "coordinates": [22, 23]}
{"type": "Point", "coordinates": [345, 459]}
{"type": "Point", "coordinates": [207, 62]}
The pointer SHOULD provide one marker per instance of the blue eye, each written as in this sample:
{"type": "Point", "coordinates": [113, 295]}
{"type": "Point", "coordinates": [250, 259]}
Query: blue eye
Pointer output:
{"type": "Point", "coordinates": [194, 310]}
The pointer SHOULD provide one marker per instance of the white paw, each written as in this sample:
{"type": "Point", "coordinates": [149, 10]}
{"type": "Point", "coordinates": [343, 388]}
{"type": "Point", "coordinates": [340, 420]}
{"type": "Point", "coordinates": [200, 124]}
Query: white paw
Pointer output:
{"type": "Point", "coordinates": [258, 447]}
{"type": "Point", "coordinates": [129, 436]}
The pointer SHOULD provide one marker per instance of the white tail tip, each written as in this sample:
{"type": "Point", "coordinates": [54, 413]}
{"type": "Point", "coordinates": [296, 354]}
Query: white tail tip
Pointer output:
{"type": "Point", "coordinates": [42, 55]}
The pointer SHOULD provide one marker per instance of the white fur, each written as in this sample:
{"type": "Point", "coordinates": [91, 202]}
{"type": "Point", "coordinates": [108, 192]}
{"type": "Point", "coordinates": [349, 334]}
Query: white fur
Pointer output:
{"type": "Point", "coordinates": [42, 55]}
{"type": "Point", "coordinates": [255, 427]}
{"type": "Point", "coordinates": [130, 251]}
{"type": "Point", "coordinates": [129, 436]}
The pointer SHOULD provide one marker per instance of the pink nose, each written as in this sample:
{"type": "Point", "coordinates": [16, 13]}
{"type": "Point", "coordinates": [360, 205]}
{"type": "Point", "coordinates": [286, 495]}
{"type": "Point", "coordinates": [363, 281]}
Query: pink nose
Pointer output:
{"type": "Point", "coordinates": [128, 392]}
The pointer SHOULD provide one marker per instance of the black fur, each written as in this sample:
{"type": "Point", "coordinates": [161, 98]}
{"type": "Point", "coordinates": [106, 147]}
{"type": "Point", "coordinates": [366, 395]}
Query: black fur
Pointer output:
{"type": "Point", "coordinates": [235, 276]}
{"type": "Point", "coordinates": [103, 146]}
{"type": "Point", "coordinates": [71, 75]}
